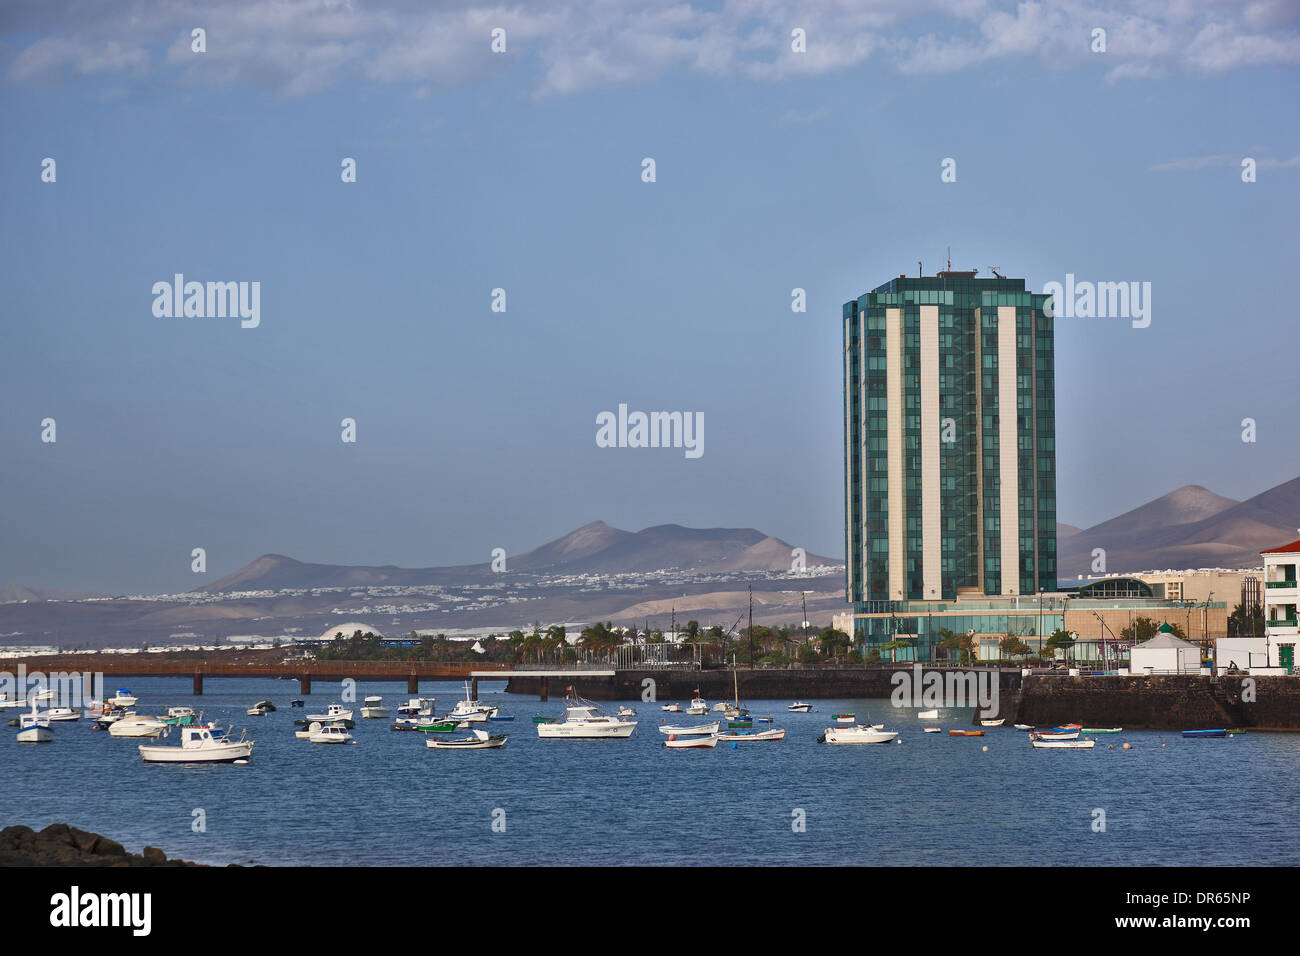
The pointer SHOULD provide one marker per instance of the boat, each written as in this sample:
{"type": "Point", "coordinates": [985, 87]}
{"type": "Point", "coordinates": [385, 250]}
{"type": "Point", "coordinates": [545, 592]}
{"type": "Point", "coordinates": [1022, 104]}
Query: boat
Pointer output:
{"type": "Point", "coordinates": [539, 719]}
{"type": "Point", "coordinates": [1217, 732]}
{"type": "Point", "coordinates": [933, 730]}
{"type": "Point", "coordinates": [583, 720]}
{"type": "Point", "coordinates": [200, 743]}
{"type": "Point", "coordinates": [623, 711]}
{"type": "Point", "coordinates": [1064, 744]}
{"type": "Point", "coordinates": [179, 717]}
{"type": "Point", "coordinates": [481, 740]}
{"type": "Point", "coordinates": [306, 732]}
{"type": "Point", "coordinates": [123, 698]}
{"type": "Point", "coordinates": [671, 708]}
{"type": "Point", "coordinates": [689, 731]}
{"type": "Point", "coordinates": [799, 707]}
{"type": "Point", "coordinates": [765, 720]}
{"type": "Point", "coordinates": [1054, 735]}
{"type": "Point", "coordinates": [965, 733]}
{"type": "Point", "coordinates": [928, 715]}
{"type": "Point", "coordinates": [440, 726]}
{"type": "Point", "coordinates": [856, 734]}
{"type": "Point", "coordinates": [296, 703]}
{"type": "Point", "coordinates": [34, 728]}
{"type": "Point", "coordinates": [720, 707]}
{"type": "Point", "coordinates": [993, 723]}
{"type": "Point", "coordinates": [698, 706]}
{"type": "Point", "coordinates": [691, 743]}
{"type": "Point", "coordinates": [373, 707]}
{"type": "Point", "coordinates": [331, 734]}
{"type": "Point", "coordinates": [416, 711]}
{"type": "Point", "coordinates": [471, 710]}
{"type": "Point", "coordinates": [1023, 726]}
{"type": "Point", "coordinates": [57, 714]}
{"type": "Point", "coordinates": [260, 709]}
{"type": "Point", "coordinates": [739, 724]}
{"type": "Point", "coordinates": [333, 714]}
{"type": "Point", "coordinates": [106, 718]}
{"type": "Point", "coordinates": [1102, 730]}
{"type": "Point", "coordinates": [135, 726]}
{"type": "Point", "coordinates": [845, 720]}
{"type": "Point", "coordinates": [734, 711]}
{"type": "Point", "coordinates": [750, 736]}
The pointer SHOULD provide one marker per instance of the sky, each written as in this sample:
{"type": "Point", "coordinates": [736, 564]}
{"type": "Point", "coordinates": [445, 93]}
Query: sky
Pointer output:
{"type": "Point", "coordinates": [522, 170]}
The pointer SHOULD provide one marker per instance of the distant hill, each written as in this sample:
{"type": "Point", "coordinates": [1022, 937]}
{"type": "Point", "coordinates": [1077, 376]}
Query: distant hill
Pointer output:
{"type": "Point", "coordinates": [1064, 531]}
{"type": "Point", "coordinates": [595, 547]}
{"type": "Point", "coordinates": [16, 592]}
{"type": "Point", "coordinates": [1188, 528]}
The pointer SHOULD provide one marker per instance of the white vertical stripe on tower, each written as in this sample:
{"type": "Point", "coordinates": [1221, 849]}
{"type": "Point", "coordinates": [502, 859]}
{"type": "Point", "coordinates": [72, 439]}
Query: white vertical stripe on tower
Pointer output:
{"type": "Point", "coordinates": [1008, 450]}
{"type": "Point", "coordinates": [931, 536]}
{"type": "Point", "coordinates": [897, 479]}
{"type": "Point", "coordinates": [848, 462]}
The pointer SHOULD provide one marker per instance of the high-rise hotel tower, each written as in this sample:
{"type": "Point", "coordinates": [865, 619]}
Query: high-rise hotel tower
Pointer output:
{"type": "Point", "coordinates": [949, 432]}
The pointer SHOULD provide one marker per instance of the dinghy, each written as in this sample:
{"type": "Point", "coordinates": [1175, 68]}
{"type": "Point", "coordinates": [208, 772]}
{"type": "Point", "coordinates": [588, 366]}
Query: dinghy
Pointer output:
{"type": "Point", "coordinates": [928, 715]}
{"type": "Point", "coordinates": [1064, 744]}
{"type": "Point", "coordinates": [742, 736]}
{"type": "Point", "coordinates": [1217, 732]}
{"type": "Point", "coordinates": [965, 733]}
{"type": "Point", "coordinates": [691, 743]}
{"type": "Point", "coordinates": [481, 740]}
{"type": "Point", "coordinates": [698, 730]}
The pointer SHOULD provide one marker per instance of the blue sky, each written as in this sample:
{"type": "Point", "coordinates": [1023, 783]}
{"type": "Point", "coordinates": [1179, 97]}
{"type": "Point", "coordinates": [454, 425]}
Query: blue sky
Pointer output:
{"type": "Point", "coordinates": [775, 170]}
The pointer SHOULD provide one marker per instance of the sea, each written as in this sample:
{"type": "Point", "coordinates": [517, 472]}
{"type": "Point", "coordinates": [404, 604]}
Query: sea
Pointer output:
{"type": "Point", "coordinates": [928, 799]}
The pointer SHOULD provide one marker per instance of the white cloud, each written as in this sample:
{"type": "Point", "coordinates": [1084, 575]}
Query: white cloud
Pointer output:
{"type": "Point", "coordinates": [300, 47]}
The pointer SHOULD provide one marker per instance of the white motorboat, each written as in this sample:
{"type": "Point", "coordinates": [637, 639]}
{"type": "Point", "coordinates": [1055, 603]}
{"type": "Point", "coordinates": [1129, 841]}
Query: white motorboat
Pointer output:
{"type": "Point", "coordinates": [331, 734]}
{"type": "Point", "coordinates": [260, 709]}
{"type": "Point", "coordinates": [752, 736]}
{"type": "Point", "coordinates": [993, 723]}
{"type": "Point", "coordinates": [333, 713]}
{"type": "Point", "coordinates": [1054, 735]}
{"type": "Point", "coordinates": [1064, 744]}
{"type": "Point", "coordinates": [933, 730]}
{"type": "Point", "coordinates": [474, 711]}
{"type": "Point", "coordinates": [481, 740]}
{"type": "Point", "coordinates": [698, 706]}
{"type": "Point", "coordinates": [583, 720]}
{"type": "Point", "coordinates": [857, 734]}
{"type": "Point", "coordinates": [928, 715]}
{"type": "Point", "coordinates": [689, 731]}
{"type": "Point", "coordinates": [200, 743]}
{"type": "Point", "coordinates": [416, 711]}
{"type": "Point", "coordinates": [306, 732]}
{"type": "Point", "coordinates": [800, 707]}
{"type": "Point", "coordinates": [1023, 726]}
{"type": "Point", "coordinates": [56, 714]}
{"type": "Point", "coordinates": [626, 711]}
{"type": "Point", "coordinates": [123, 698]}
{"type": "Point", "coordinates": [672, 708]}
{"type": "Point", "coordinates": [720, 707]}
{"type": "Point", "coordinates": [10, 702]}
{"type": "Point", "coordinates": [373, 707]}
{"type": "Point", "coordinates": [136, 726]}
{"type": "Point", "coordinates": [691, 743]}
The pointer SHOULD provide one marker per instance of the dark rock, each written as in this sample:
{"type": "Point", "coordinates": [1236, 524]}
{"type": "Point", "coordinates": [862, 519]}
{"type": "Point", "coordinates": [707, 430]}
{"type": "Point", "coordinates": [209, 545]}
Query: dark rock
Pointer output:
{"type": "Point", "coordinates": [106, 847]}
{"type": "Point", "coordinates": [154, 855]}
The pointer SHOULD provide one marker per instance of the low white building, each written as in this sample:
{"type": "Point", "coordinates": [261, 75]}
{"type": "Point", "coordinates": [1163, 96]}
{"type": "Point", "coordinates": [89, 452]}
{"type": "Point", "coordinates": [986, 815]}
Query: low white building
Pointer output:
{"type": "Point", "coordinates": [1165, 654]}
{"type": "Point", "coordinates": [1280, 598]}
{"type": "Point", "coordinates": [1244, 653]}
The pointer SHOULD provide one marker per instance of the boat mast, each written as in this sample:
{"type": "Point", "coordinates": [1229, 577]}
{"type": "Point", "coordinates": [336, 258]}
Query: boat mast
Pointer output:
{"type": "Point", "coordinates": [751, 625]}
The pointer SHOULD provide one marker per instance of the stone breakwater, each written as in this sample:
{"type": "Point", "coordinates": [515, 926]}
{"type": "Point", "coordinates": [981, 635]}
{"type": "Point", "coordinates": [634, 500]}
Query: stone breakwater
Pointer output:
{"type": "Point", "coordinates": [61, 845]}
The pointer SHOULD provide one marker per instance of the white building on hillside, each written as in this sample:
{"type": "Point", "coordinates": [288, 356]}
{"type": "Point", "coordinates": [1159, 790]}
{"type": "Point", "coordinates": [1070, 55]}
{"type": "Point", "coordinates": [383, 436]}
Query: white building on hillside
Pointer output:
{"type": "Point", "coordinates": [1280, 599]}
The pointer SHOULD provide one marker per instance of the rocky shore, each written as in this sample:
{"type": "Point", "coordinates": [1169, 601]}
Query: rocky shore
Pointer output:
{"type": "Point", "coordinates": [61, 845]}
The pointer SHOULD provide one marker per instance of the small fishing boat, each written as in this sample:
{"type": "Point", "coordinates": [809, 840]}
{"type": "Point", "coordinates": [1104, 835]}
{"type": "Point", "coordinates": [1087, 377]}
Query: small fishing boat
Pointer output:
{"type": "Point", "coordinates": [623, 711]}
{"type": "Point", "coordinates": [1217, 732]}
{"type": "Point", "coordinates": [179, 717]}
{"type": "Point", "coordinates": [928, 715]}
{"type": "Point", "coordinates": [306, 732]}
{"type": "Point", "coordinates": [1071, 727]}
{"type": "Point", "coordinates": [34, 728]}
{"type": "Point", "coordinates": [260, 709]}
{"type": "Point", "coordinates": [856, 735]}
{"type": "Point", "coordinates": [373, 707]}
{"type": "Point", "coordinates": [472, 710]}
{"type": "Point", "coordinates": [1102, 730]}
{"type": "Point", "coordinates": [698, 707]}
{"type": "Point", "coordinates": [845, 720]}
{"type": "Point", "coordinates": [200, 744]}
{"type": "Point", "coordinates": [720, 707]}
{"type": "Point", "coordinates": [481, 740]}
{"type": "Point", "coordinates": [440, 726]}
{"type": "Point", "coordinates": [57, 714]}
{"type": "Point", "coordinates": [696, 730]}
{"type": "Point", "coordinates": [751, 736]}
{"type": "Point", "coordinates": [764, 720]}
{"type": "Point", "coordinates": [583, 720]}
{"type": "Point", "coordinates": [1023, 726]}
{"type": "Point", "coordinates": [933, 730]}
{"type": "Point", "coordinates": [671, 708]}
{"type": "Point", "coordinates": [335, 713]}
{"type": "Point", "coordinates": [1064, 744]}
{"type": "Point", "coordinates": [965, 733]}
{"type": "Point", "coordinates": [331, 734]}
{"type": "Point", "coordinates": [800, 707]}
{"type": "Point", "coordinates": [1054, 735]}
{"type": "Point", "coordinates": [416, 711]}
{"type": "Point", "coordinates": [691, 743]}
{"type": "Point", "coordinates": [993, 723]}
{"type": "Point", "coordinates": [734, 711]}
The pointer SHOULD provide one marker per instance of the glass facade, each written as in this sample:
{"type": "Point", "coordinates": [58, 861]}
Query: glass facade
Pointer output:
{"type": "Point", "coordinates": [980, 322]}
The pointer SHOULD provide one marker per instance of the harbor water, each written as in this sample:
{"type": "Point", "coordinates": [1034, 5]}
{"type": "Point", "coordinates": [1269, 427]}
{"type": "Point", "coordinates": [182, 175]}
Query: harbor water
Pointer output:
{"type": "Point", "coordinates": [388, 800]}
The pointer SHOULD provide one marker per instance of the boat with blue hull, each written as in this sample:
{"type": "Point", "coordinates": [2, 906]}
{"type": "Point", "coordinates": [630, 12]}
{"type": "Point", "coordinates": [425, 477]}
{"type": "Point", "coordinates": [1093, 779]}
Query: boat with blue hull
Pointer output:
{"type": "Point", "coordinates": [1216, 732]}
